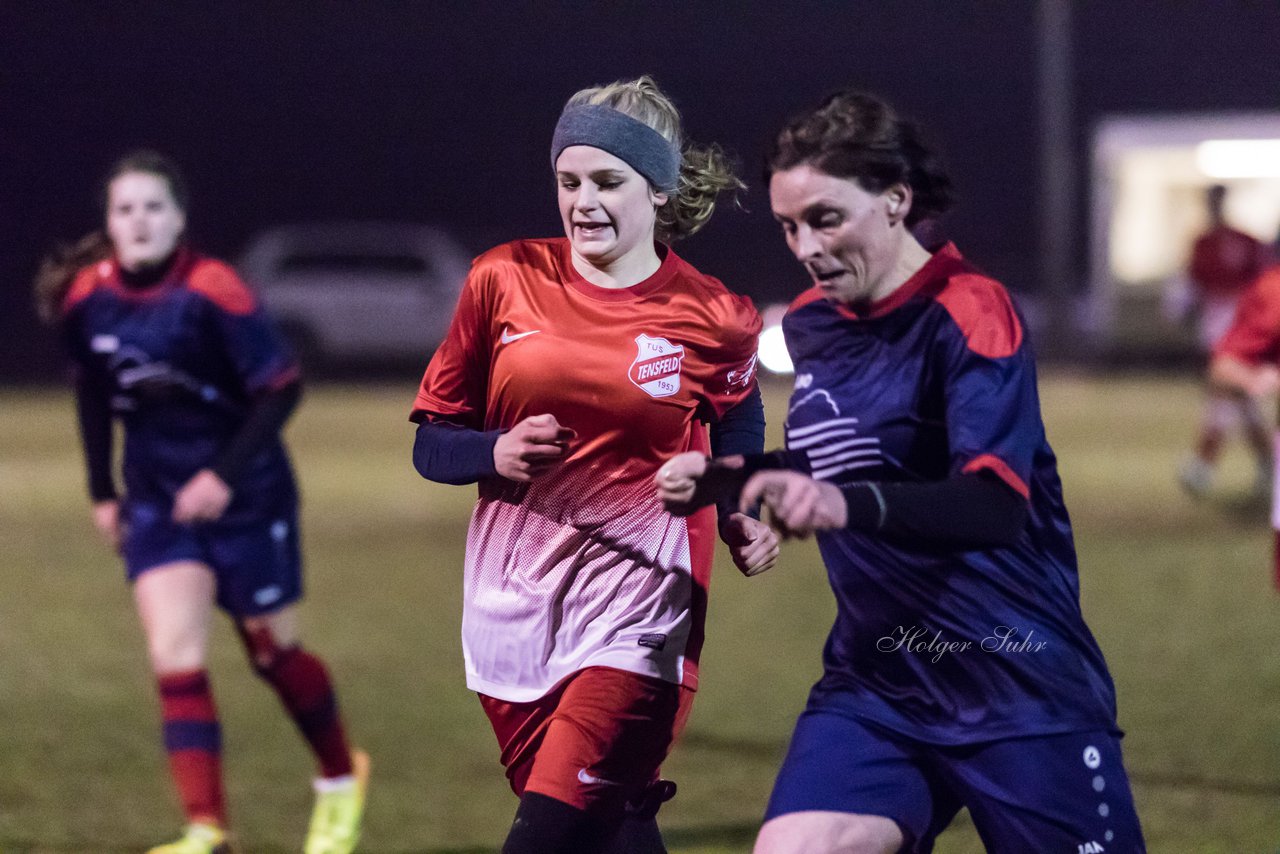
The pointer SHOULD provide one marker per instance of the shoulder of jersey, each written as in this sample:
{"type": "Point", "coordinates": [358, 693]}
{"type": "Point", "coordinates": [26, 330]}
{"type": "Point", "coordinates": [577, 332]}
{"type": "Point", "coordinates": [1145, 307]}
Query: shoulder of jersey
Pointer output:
{"type": "Point", "coordinates": [1223, 234]}
{"type": "Point", "coordinates": [807, 297]}
{"type": "Point", "coordinates": [493, 266]}
{"type": "Point", "coordinates": [1267, 284]}
{"type": "Point", "coordinates": [1242, 237]}
{"type": "Point", "coordinates": [524, 253]}
{"type": "Point", "coordinates": [983, 311]}
{"type": "Point", "coordinates": [709, 285]}
{"type": "Point", "coordinates": [710, 291]}
{"type": "Point", "coordinates": [217, 282]}
{"type": "Point", "coordinates": [86, 281]}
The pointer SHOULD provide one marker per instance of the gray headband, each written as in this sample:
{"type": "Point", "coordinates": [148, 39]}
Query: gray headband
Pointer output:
{"type": "Point", "coordinates": [643, 148]}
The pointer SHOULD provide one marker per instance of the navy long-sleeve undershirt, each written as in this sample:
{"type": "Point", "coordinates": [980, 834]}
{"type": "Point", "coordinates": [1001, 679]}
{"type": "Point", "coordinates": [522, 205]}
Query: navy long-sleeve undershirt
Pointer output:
{"type": "Point", "coordinates": [450, 453]}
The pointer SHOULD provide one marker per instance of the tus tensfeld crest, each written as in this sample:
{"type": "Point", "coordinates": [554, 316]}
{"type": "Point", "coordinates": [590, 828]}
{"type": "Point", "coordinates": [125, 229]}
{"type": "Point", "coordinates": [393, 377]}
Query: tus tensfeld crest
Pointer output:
{"type": "Point", "coordinates": [656, 369]}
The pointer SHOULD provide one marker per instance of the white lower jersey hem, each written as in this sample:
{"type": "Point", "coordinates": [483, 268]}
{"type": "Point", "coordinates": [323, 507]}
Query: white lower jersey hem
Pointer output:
{"type": "Point", "coordinates": [529, 693]}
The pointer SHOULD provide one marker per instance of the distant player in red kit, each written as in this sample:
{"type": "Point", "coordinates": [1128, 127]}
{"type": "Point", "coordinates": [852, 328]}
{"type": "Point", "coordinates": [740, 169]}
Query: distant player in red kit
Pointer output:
{"type": "Point", "coordinates": [174, 346]}
{"type": "Point", "coordinates": [573, 367]}
{"type": "Point", "coordinates": [1245, 362]}
{"type": "Point", "coordinates": [1224, 262]}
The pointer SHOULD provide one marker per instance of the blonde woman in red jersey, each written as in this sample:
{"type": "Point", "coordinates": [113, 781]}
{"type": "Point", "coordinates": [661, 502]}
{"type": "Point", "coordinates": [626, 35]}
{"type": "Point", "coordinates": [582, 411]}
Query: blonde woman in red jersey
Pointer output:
{"type": "Point", "coordinates": [573, 368]}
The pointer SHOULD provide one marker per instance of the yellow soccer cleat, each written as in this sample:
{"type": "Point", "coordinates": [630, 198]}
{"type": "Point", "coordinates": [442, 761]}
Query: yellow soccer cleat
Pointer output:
{"type": "Point", "coordinates": [339, 809]}
{"type": "Point", "coordinates": [197, 839]}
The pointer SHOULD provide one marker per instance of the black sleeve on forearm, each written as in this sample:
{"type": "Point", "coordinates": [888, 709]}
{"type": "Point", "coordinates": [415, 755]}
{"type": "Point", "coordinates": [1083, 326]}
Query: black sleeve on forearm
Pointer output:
{"type": "Point", "coordinates": [267, 414]}
{"type": "Point", "coordinates": [974, 510]}
{"type": "Point", "coordinates": [93, 410]}
{"type": "Point", "coordinates": [450, 453]}
{"type": "Point", "coordinates": [722, 485]}
{"type": "Point", "coordinates": [739, 431]}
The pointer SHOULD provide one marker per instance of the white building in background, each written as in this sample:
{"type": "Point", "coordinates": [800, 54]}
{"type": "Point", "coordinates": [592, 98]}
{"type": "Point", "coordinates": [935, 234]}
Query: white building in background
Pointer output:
{"type": "Point", "coordinates": [1149, 176]}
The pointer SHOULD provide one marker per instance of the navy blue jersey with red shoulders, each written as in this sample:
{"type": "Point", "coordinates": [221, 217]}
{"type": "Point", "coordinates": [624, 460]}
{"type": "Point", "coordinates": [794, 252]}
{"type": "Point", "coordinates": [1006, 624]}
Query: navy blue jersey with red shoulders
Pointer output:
{"type": "Point", "coordinates": [181, 360]}
{"type": "Point", "coordinates": [938, 644]}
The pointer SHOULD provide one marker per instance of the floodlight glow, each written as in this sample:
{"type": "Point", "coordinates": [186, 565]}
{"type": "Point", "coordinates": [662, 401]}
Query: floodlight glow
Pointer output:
{"type": "Point", "coordinates": [1239, 158]}
{"type": "Point", "coordinates": [773, 351]}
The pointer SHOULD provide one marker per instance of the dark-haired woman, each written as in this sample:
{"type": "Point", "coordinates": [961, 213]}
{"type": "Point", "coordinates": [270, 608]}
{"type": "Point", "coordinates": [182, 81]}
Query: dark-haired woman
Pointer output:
{"type": "Point", "coordinates": [573, 367]}
{"type": "Point", "coordinates": [173, 345]}
{"type": "Point", "coordinates": [959, 671]}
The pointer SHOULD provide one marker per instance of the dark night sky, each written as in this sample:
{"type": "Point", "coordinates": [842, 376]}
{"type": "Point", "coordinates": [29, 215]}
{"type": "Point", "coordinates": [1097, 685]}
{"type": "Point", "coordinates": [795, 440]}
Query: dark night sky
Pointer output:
{"type": "Point", "coordinates": [440, 112]}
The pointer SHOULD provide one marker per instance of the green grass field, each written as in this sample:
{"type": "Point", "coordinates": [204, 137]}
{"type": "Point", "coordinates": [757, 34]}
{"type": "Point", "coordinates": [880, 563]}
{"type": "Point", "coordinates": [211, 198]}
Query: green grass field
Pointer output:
{"type": "Point", "coordinates": [1178, 593]}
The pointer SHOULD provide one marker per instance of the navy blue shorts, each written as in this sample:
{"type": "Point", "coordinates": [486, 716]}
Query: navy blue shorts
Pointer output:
{"type": "Point", "coordinates": [257, 564]}
{"type": "Point", "coordinates": [1053, 793]}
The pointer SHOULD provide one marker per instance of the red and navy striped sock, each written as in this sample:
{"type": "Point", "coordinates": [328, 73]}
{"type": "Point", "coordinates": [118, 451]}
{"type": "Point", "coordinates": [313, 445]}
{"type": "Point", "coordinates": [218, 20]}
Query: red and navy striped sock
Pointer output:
{"type": "Point", "coordinates": [304, 687]}
{"type": "Point", "coordinates": [193, 740]}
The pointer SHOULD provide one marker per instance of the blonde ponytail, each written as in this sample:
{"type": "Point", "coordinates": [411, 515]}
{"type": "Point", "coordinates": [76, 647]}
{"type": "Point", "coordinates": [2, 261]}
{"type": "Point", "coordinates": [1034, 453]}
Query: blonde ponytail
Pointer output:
{"type": "Point", "coordinates": [705, 171]}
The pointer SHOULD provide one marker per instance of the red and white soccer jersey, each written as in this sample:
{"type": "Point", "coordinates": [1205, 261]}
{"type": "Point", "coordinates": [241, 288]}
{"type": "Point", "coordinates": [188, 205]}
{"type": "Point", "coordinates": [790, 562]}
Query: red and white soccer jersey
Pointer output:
{"type": "Point", "coordinates": [1254, 336]}
{"type": "Point", "coordinates": [583, 567]}
{"type": "Point", "coordinates": [1224, 262]}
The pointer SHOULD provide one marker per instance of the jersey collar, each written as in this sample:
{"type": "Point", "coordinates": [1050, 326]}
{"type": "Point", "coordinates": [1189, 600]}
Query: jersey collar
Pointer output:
{"type": "Point", "coordinates": [946, 260]}
{"type": "Point", "coordinates": [109, 271]}
{"type": "Point", "coordinates": [666, 270]}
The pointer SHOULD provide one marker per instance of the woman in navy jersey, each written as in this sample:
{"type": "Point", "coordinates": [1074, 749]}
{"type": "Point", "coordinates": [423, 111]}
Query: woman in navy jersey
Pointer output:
{"type": "Point", "coordinates": [177, 349]}
{"type": "Point", "coordinates": [959, 671]}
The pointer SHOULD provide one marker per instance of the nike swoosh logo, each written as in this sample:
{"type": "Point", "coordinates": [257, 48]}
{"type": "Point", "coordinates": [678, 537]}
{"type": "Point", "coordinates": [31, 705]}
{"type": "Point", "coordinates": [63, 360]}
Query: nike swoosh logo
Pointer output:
{"type": "Point", "coordinates": [591, 780]}
{"type": "Point", "coordinates": [507, 337]}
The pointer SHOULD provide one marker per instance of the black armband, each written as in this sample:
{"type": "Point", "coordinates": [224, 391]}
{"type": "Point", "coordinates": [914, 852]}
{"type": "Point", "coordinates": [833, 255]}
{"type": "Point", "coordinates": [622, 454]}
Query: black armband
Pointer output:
{"type": "Point", "coordinates": [865, 506]}
{"type": "Point", "coordinates": [722, 483]}
{"type": "Point", "coordinates": [968, 510]}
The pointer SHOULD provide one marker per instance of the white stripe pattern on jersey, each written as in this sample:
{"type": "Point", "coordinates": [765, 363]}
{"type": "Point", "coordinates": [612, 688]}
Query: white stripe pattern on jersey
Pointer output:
{"type": "Point", "coordinates": [833, 446]}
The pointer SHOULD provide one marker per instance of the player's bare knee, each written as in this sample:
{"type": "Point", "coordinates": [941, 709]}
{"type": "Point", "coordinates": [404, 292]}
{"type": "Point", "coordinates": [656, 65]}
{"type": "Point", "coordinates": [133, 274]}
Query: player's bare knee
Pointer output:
{"type": "Point", "coordinates": [261, 645]}
{"type": "Point", "coordinates": [829, 833]}
{"type": "Point", "coordinates": [175, 652]}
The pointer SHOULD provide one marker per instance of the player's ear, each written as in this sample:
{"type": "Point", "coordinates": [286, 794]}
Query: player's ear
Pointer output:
{"type": "Point", "coordinates": [898, 202]}
{"type": "Point", "coordinates": [658, 198]}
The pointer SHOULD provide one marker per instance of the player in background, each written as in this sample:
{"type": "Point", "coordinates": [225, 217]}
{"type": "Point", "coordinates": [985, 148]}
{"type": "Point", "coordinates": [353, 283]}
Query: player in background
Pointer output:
{"type": "Point", "coordinates": [959, 670]}
{"type": "Point", "coordinates": [174, 346]}
{"type": "Point", "coordinates": [1224, 262]}
{"type": "Point", "coordinates": [573, 367]}
{"type": "Point", "coordinates": [1244, 363]}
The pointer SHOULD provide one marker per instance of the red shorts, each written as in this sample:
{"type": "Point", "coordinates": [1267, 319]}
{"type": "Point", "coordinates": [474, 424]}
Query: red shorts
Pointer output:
{"type": "Point", "coordinates": [595, 741]}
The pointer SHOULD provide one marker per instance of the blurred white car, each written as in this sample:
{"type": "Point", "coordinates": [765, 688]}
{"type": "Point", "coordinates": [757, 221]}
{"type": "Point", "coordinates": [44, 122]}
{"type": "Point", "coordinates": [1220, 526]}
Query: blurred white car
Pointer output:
{"type": "Point", "coordinates": [358, 291]}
